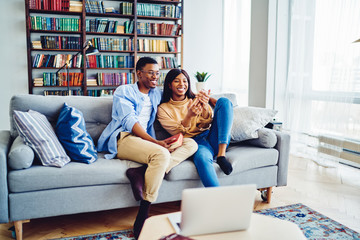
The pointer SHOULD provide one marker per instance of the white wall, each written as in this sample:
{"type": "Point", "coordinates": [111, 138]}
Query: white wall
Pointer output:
{"type": "Point", "coordinates": [203, 40]}
{"type": "Point", "coordinates": [258, 53]}
{"type": "Point", "coordinates": [13, 63]}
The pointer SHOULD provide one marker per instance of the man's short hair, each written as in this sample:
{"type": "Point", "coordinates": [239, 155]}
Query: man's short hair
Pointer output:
{"type": "Point", "coordinates": [143, 61]}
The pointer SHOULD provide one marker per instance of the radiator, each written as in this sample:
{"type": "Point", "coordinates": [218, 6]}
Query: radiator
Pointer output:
{"type": "Point", "coordinates": [347, 150]}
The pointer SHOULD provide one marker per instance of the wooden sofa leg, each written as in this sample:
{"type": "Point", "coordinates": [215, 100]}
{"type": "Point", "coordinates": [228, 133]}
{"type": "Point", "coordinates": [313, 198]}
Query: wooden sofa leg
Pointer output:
{"type": "Point", "coordinates": [19, 228]}
{"type": "Point", "coordinates": [266, 194]}
{"type": "Point", "coordinates": [269, 192]}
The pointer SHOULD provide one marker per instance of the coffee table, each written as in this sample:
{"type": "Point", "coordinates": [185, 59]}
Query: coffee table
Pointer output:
{"type": "Point", "coordinates": [261, 227]}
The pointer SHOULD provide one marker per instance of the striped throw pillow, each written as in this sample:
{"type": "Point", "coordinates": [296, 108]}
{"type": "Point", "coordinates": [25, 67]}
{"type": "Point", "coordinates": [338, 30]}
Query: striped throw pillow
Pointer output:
{"type": "Point", "coordinates": [38, 133]}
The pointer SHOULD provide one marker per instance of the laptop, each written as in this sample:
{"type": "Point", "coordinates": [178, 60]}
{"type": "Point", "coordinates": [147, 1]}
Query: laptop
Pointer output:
{"type": "Point", "coordinates": [214, 210]}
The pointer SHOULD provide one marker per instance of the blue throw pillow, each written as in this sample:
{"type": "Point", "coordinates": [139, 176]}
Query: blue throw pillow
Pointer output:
{"type": "Point", "coordinates": [71, 131]}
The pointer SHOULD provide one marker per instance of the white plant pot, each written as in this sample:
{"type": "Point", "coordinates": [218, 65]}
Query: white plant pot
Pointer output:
{"type": "Point", "coordinates": [200, 86]}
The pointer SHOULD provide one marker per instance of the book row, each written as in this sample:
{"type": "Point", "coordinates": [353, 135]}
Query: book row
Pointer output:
{"type": "Point", "coordinates": [155, 45]}
{"type": "Point", "coordinates": [104, 61]}
{"type": "Point", "coordinates": [101, 93]}
{"type": "Point", "coordinates": [113, 44]}
{"type": "Point", "coordinates": [92, 6]}
{"type": "Point", "coordinates": [77, 92]}
{"type": "Point", "coordinates": [158, 28]}
{"type": "Point", "coordinates": [158, 10]}
{"type": "Point", "coordinates": [56, 60]}
{"type": "Point", "coordinates": [109, 26]}
{"type": "Point", "coordinates": [55, 24]}
{"type": "Point", "coordinates": [112, 79]}
{"type": "Point", "coordinates": [59, 79]}
{"type": "Point", "coordinates": [161, 79]}
{"type": "Point", "coordinates": [126, 8]}
{"type": "Point", "coordinates": [167, 62]}
{"type": "Point", "coordinates": [56, 5]}
{"type": "Point", "coordinates": [60, 42]}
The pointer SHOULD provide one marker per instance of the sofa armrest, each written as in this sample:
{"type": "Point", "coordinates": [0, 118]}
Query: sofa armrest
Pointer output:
{"type": "Point", "coordinates": [5, 143]}
{"type": "Point", "coordinates": [283, 146]}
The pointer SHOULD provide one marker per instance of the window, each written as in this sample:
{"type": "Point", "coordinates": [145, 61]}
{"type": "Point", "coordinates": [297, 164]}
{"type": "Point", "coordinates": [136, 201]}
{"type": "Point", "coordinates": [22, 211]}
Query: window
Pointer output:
{"type": "Point", "coordinates": [236, 24]}
{"type": "Point", "coordinates": [321, 88]}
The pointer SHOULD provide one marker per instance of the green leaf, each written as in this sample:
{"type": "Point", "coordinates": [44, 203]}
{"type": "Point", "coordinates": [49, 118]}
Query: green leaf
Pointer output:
{"type": "Point", "coordinates": [202, 76]}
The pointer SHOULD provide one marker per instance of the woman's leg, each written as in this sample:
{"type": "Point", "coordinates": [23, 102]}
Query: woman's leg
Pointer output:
{"type": "Point", "coordinates": [203, 160]}
{"type": "Point", "coordinates": [219, 135]}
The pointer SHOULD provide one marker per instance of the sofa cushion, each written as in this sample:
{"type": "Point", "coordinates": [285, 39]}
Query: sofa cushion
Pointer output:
{"type": "Point", "coordinates": [71, 131]}
{"type": "Point", "coordinates": [241, 157]}
{"type": "Point", "coordinates": [247, 120]}
{"type": "Point", "coordinates": [37, 133]}
{"type": "Point", "coordinates": [267, 138]}
{"type": "Point", "coordinates": [228, 95]}
{"type": "Point", "coordinates": [74, 174]}
{"type": "Point", "coordinates": [96, 111]}
{"type": "Point", "coordinates": [20, 155]}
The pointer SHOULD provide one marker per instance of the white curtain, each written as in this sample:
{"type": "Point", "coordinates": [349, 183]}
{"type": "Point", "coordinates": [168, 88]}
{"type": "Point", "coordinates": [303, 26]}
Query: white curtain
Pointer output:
{"type": "Point", "coordinates": [236, 24]}
{"type": "Point", "coordinates": [323, 80]}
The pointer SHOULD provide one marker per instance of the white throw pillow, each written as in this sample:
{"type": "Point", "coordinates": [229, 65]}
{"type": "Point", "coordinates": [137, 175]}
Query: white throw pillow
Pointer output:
{"type": "Point", "coordinates": [247, 120]}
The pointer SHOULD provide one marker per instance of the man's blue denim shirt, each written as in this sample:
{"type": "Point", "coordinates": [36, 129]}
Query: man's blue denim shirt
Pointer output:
{"type": "Point", "coordinates": [127, 105]}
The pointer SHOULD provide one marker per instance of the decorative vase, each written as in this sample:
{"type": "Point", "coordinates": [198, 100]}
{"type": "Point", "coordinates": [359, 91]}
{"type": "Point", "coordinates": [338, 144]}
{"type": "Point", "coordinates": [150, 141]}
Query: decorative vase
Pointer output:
{"type": "Point", "coordinates": [200, 86]}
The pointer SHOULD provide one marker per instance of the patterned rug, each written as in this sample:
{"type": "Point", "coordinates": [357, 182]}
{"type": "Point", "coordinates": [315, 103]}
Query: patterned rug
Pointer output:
{"type": "Point", "coordinates": [117, 235]}
{"type": "Point", "coordinates": [313, 224]}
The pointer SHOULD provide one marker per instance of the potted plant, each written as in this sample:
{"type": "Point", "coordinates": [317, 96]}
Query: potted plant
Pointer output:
{"type": "Point", "coordinates": [201, 77]}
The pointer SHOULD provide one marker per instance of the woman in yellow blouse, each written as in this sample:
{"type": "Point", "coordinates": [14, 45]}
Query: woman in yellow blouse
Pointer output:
{"type": "Point", "coordinates": [183, 111]}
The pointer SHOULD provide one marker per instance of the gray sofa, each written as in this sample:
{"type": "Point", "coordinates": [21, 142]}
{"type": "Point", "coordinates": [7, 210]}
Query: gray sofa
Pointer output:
{"type": "Point", "coordinates": [39, 191]}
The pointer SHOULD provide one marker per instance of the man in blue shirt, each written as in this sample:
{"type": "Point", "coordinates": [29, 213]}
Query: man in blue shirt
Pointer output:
{"type": "Point", "coordinates": [131, 136]}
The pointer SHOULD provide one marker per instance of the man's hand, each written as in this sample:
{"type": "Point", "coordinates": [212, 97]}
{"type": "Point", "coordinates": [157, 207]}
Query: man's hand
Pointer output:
{"type": "Point", "coordinates": [164, 144]}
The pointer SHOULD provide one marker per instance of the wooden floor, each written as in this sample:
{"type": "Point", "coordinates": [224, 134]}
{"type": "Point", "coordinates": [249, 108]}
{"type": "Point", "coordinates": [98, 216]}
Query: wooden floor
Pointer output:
{"type": "Point", "coordinates": [334, 192]}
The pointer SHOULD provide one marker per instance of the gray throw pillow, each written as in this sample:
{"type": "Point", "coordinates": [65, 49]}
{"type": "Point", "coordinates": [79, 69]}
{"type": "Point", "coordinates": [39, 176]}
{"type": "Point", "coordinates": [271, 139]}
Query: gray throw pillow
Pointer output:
{"type": "Point", "coordinates": [21, 156]}
{"type": "Point", "coordinates": [267, 138]}
{"type": "Point", "coordinates": [247, 120]}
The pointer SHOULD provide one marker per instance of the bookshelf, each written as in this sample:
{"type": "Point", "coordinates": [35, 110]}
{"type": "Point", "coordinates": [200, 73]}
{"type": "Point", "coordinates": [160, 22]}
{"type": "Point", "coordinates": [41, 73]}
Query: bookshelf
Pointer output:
{"type": "Point", "coordinates": [122, 31]}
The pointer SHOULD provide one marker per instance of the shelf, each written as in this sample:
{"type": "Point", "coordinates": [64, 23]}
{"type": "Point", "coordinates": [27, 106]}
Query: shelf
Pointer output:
{"type": "Point", "coordinates": [114, 51]}
{"type": "Point", "coordinates": [158, 18]}
{"type": "Point", "coordinates": [56, 86]}
{"type": "Point", "coordinates": [115, 15]}
{"type": "Point", "coordinates": [158, 52]}
{"type": "Point", "coordinates": [54, 12]}
{"type": "Point", "coordinates": [54, 68]}
{"type": "Point", "coordinates": [55, 32]}
{"type": "Point", "coordinates": [55, 50]}
{"type": "Point", "coordinates": [109, 68]}
{"type": "Point", "coordinates": [159, 1]}
{"type": "Point", "coordinates": [126, 38]}
{"type": "Point", "coordinates": [112, 34]}
{"type": "Point", "coordinates": [103, 86]}
{"type": "Point", "coordinates": [159, 36]}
